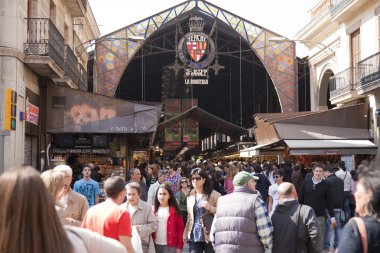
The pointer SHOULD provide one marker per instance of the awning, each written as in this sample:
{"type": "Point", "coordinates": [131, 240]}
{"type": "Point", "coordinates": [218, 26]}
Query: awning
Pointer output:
{"type": "Point", "coordinates": [206, 119]}
{"type": "Point", "coordinates": [266, 149]}
{"type": "Point", "coordinates": [330, 147]}
{"type": "Point", "coordinates": [342, 131]}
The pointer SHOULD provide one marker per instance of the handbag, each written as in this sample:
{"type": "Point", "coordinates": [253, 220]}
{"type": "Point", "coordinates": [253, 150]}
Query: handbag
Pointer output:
{"type": "Point", "coordinates": [136, 241]}
{"type": "Point", "coordinates": [362, 232]}
{"type": "Point", "coordinates": [206, 222]}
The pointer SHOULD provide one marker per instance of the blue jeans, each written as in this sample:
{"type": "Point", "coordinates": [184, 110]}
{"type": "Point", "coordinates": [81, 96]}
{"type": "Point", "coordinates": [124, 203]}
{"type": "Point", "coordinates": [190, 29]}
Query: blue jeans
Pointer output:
{"type": "Point", "coordinates": [346, 207]}
{"type": "Point", "coordinates": [337, 229]}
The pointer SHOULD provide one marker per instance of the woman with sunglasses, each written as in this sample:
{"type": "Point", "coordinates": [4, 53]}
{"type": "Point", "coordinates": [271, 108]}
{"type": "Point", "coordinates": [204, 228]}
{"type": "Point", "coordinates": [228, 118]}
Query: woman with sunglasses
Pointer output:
{"type": "Point", "coordinates": [201, 208]}
{"type": "Point", "coordinates": [181, 196]}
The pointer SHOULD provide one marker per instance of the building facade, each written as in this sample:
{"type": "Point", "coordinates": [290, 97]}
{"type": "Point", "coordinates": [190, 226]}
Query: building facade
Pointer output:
{"type": "Point", "coordinates": [42, 42]}
{"type": "Point", "coordinates": [343, 37]}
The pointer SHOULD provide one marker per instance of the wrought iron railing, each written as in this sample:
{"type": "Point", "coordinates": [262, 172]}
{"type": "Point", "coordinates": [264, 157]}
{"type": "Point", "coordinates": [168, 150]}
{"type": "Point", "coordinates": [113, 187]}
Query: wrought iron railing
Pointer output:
{"type": "Point", "coordinates": [343, 82]}
{"type": "Point", "coordinates": [80, 49]}
{"type": "Point", "coordinates": [71, 65]}
{"type": "Point", "coordinates": [337, 5]}
{"type": "Point", "coordinates": [369, 70]}
{"type": "Point", "coordinates": [82, 84]}
{"type": "Point", "coordinates": [44, 39]}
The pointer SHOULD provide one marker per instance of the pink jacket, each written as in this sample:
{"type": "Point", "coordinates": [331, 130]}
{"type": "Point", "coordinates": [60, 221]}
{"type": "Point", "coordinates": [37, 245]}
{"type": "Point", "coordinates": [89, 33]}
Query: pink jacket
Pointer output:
{"type": "Point", "coordinates": [228, 185]}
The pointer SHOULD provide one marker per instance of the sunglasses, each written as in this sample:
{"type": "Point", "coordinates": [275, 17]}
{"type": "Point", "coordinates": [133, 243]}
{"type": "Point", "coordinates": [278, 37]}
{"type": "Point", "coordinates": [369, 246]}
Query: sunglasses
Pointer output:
{"type": "Point", "coordinates": [183, 182]}
{"type": "Point", "coordinates": [196, 178]}
{"type": "Point", "coordinates": [276, 176]}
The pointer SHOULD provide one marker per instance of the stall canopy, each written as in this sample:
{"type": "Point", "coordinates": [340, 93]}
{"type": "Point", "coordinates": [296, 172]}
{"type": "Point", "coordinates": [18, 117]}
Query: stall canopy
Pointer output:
{"type": "Point", "coordinates": [206, 119]}
{"type": "Point", "coordinates": [75, 111]}
{"type": "Point", "coordinates": [338, 131]}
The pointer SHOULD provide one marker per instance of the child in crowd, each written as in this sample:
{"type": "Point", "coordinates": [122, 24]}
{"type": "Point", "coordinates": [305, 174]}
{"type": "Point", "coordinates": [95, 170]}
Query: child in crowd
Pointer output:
{"type": "Point", "coordinates": [168, 237]}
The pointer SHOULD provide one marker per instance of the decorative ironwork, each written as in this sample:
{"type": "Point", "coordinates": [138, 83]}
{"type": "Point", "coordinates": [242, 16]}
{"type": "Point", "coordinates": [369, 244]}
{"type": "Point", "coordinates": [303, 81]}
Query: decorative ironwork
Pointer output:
{"type": "Point", "coordinates": [342, 82]}
{"type": "Point", "coordinates": [369, 70]}
{"type": "Point", "coordinates": [44, 39]}
{"type": "Point", "coordinates": [71, 65]}
{"type": "Point", "coordinates": [112, 57]}
{"type": "Point", "coordinates": [82, 80]}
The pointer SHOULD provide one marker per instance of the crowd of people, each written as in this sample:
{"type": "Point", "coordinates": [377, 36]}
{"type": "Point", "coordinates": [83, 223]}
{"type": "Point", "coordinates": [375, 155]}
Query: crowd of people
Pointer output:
{"type": "Point", "coordinates": [213, 206]}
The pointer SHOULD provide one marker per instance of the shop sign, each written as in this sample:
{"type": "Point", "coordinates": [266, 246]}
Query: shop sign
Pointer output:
{"type": "Point", "coordinates": [32, 112]}
{"type": "Point", "coordinates": [332, 152]}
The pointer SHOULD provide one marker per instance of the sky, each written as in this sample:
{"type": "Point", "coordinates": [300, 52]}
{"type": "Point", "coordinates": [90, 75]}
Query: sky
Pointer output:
{"type": "Point", "coordinates": [285, 17]}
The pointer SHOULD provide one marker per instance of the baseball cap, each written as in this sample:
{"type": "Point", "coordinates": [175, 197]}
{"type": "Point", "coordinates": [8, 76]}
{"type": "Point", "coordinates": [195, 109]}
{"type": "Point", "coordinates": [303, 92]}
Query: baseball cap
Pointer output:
{"type": "Point", "coordinates": [243, 177]}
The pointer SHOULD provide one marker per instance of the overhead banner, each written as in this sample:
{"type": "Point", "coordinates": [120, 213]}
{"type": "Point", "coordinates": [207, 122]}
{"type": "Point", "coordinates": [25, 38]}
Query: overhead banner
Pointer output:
{"type": "Point", "coordinates": [173, 132]}
{"type": "Point", "coordinates": [190, 128]}
{"type": "Point", "coordinates": [74, 111]}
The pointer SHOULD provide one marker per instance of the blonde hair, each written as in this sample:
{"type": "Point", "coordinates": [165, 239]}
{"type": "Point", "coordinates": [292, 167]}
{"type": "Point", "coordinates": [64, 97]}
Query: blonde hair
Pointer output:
{"type": "Point", "coordinates": [28, 220]}
{"type": "Point", "coordinates": [54, 181]}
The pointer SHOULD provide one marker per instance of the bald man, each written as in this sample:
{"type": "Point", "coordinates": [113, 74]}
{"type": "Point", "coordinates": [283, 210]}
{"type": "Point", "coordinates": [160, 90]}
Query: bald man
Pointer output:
{"type": "Point", "coordinates": [294, 224]}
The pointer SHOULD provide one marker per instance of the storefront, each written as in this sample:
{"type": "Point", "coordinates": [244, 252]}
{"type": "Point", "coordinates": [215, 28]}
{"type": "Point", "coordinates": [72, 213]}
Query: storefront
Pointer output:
{"type": "Point", "coordinates": [86, 127]}
{"type": "Point", "coordinates": [32, 118]}
{"type": "Point", "coordinates": [315, 136]}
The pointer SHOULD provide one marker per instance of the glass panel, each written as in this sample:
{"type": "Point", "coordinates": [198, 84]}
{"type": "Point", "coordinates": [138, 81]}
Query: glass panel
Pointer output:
{"type": "Point", "coordinates": [160, 18]}
{"type": "Point", "coordinates": [259, 45]}
{"type": "Point", "coordinates": [232, 19]}
{"type": "Point", "coordinates": [190, 6]}
{"type": "Point", "coordinates": [141, 28]}
{"type": "Point", "coordinates": [203, 7]}
{"type": "Point", "coordinates": [240, 29]}
{"type": "Point", "coordinates": [252, 31]}
{"type": "Point", "coordinates": [151, 28]}
{"type": "Point", "coordinates": [171, 16]}
{"type": "Point", "coordinates": [179, 9]}
{"type": "Point", "coordinates": [223, 18]}
{"type": "Point", "coordinates": [131, 31]}
{"type": "Point", "coordinates": [213, 9]}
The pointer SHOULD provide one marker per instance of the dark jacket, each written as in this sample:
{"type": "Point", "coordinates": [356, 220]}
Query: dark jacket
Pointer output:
{"type": "Point", "coordinates": [234, 228]}
{"type": "Point", "coordinates": [287, 237]}
{"type": "Point", "coordinates": [317, 196]}
{"type": "Point", "coordinates": [350, 240]}
{"type": "Point", "coordinates": [263, 185]}
{"type": "Point", "coordinates": [337, 190]}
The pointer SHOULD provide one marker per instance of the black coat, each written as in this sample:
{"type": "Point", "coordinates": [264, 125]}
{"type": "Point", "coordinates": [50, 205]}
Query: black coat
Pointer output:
{"type": "Point", "coordinates": [290, 237]}
{"type": "Point", "coordinates": [337, 190]}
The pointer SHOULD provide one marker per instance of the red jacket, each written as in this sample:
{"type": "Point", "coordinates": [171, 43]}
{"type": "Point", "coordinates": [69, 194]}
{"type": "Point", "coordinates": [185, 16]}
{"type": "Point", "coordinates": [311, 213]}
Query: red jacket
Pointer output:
{"type": "Point", "coordinates": [174, 229]}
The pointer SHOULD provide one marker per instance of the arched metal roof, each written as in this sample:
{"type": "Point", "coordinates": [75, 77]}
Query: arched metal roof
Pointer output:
{"type": "Point", "coordinates": [114, 51]}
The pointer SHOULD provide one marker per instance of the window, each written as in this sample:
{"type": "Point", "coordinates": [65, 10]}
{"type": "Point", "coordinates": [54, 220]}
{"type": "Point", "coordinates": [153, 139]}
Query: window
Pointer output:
{"type": "Point", "coordinates": [355, 54]}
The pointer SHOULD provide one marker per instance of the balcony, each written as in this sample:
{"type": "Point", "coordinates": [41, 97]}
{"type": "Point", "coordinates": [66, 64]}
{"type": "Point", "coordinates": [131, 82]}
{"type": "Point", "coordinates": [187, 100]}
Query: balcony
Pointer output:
{"type": "Point", "coordinates": [82, 82]}
{"type": "Point", "coordinates": [341, 9]}
{"type": "Point", "coordinates": [343, 86]}
{"type": "Point", "coordinates": [369, 74]}
{"type": "Point", "coordinates": [77, 8]}
{"type": "Point", "coordinates": [44, 49]}
{"type": "Point", "coordinates": [71, 65]}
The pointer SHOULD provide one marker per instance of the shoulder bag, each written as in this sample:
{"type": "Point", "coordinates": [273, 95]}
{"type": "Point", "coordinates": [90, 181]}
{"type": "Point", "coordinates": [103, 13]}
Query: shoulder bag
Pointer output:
{"type": "Point", "coordinates": [362, 232]}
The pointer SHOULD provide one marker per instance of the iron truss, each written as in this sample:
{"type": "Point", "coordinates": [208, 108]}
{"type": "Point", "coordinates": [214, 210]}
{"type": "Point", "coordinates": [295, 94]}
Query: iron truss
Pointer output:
{"type": "Point", "coordinates": [114, 51]}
